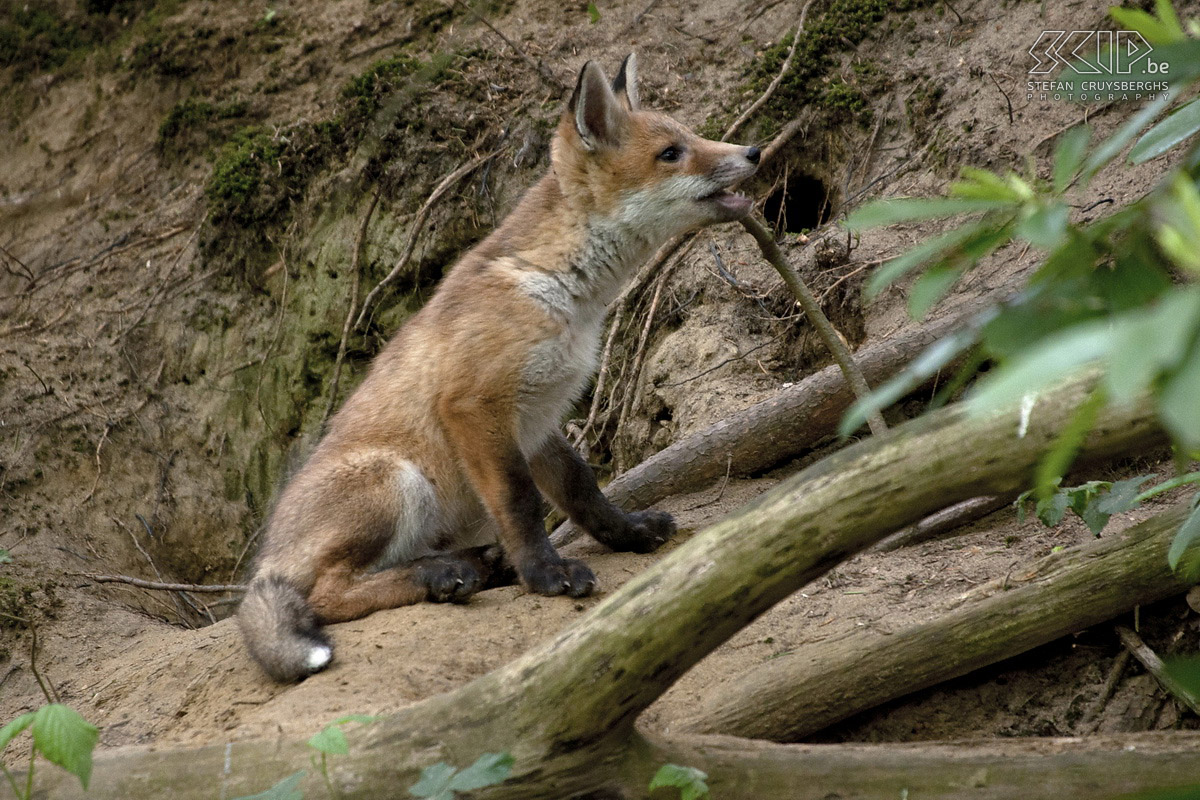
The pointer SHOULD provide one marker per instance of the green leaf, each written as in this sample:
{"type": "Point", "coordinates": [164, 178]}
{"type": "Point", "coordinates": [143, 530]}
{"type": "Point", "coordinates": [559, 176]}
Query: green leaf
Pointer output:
{"type": "Point", "coordinates": [914, 209]}
{"type": "Point", "coordinates": [1052, 509]}
{"type": "Point", "coordinates": [5, 557]}
{"type": "Point", "coordinates": [1135, 19]}
{"type": "Point", "coordinates": [12, 729]}
{"type": "Point", "coordinates": [1183, 544]}
{"type": "Point", "coordinates": [286, 789]}
{"type": "Point", "coordinates": [1114, 144]}
{"type": "Point", "coordinates": [1123, 495]}
{"type": "Point", "coordinates": [434, 783]}
{"type": "Point", "coordinates": [66, 739]}
{"type": "Point", "coordinates": [1041, 367]}
{"type": "Point", "coordinates": [930, 288]}
{"type": "Point", "coordinates": [690, 781]}
{"type": "Point", "coordinates": [1046, 227]}
{"type": "Point", "coordinates": [1069, 155]}
{"type": "Point", "coordinates": [919, 370]}
{"type": "Point", "coordinates": [1149, 342]}
{"type": "Point", "coordinates": [364, 719]}
{"type": "Point", "coordinates": [1178, 405]}
{"type": "Point", "coordinates": [929, 250]}
{"type": "Point", "coordinates": [593, 13]}
{"type": "Point", "coordinates": [331, 740]}
{"type": "Point", "coordinates": [488, 770]}
{"type": "Point", "coordinates": [1054, 465]}
{"type": "Point", "coordinates": [1183, 123]}
{"type": "Point", "coordinates": [981, 184]}
{"type": "Point", "coordinates": [1186, 672]}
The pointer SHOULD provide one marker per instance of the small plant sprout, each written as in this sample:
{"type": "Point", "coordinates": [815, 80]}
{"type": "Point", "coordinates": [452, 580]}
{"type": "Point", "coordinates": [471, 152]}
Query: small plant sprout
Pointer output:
{"type": "Point", "coordinates": [331, 741]}
{"type": "Point", "coordinates": [690, 781]}
{"type": "Point", "coordinates": [442, 781]}
{"type": "Point", "coordinates": [61, 735]}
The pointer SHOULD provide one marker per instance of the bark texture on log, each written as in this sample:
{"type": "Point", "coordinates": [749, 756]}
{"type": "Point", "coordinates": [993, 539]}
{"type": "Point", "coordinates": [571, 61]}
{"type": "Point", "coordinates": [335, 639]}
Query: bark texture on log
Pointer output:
{"type": "Point", "coordinates": [1092, 768]}
{"type": "Point", "coordinates": [795, 695]}
{"type": "Point", "coordinates": [565, 710]}
{"type": "Point", "coordinates": [759, 437]}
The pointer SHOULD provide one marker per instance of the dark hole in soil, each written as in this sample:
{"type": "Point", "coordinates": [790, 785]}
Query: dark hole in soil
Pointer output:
{"type": "Point", "coordinates": [802, 204]}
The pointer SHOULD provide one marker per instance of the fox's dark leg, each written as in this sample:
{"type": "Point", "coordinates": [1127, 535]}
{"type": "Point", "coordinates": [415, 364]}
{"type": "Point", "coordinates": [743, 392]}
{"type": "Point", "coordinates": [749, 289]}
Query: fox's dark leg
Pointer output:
{"type": "Point", "coordinates": [504, 482]}
{"type": "Point", "coordinates": [567, 479]}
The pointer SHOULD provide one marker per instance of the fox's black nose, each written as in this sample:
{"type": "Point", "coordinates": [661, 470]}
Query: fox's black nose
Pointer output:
{"type": "Point", "coordinates": [753, 154]}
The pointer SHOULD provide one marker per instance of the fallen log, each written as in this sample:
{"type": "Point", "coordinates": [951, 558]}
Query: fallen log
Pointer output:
{"type": "Point", "coordinates": [759, 437]}
{"type": "Point", "coordinates": [1091, 768]}
{"type": "Point", "coordinates": [795, 695]}
{"type": "Point", "coordinates": [565, 710]}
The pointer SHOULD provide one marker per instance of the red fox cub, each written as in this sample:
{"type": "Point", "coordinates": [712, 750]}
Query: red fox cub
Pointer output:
{"type": "Point", "coordinates": [447, 446]}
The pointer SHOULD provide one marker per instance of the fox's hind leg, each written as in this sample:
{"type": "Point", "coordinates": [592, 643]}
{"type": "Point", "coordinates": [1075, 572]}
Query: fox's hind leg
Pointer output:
{"type": "Point", "coordinates": [571, 485]}
{"type": "Point", "coordinates": [376, 520]}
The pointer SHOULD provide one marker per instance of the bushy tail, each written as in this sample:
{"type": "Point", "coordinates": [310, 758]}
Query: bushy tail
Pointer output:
{"type": "Point", "coordinates": [281, 630]}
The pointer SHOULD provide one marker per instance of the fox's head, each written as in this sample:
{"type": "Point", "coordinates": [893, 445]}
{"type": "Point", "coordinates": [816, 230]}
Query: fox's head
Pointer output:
{"type": "Point", "coordinates": [642, 168]}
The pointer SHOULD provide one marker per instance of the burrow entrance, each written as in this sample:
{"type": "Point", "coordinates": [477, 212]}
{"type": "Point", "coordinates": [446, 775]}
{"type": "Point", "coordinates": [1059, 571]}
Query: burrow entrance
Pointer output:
{"type": "Point", "coordinates": [802, 203]}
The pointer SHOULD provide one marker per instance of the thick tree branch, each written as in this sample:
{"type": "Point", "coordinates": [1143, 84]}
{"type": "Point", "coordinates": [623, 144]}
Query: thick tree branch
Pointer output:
{"type": "Point", "coordinates": [795, 695]}
{"type": "Point", "coordinates": [1094, 768]}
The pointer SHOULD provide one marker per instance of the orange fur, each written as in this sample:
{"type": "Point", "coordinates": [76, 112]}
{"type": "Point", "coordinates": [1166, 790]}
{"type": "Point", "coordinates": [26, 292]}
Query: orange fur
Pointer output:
{"type": "Point", "coordinates": [445, 444]}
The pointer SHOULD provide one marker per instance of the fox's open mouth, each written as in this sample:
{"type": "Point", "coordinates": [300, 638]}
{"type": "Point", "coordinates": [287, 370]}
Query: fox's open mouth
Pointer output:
{"type": "Point", "coordinates": [731, 203]}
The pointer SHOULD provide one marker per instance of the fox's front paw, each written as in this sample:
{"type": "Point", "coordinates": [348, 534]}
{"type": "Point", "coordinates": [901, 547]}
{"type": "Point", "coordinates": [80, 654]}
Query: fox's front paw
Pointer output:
{"type": "Point", "coordinates": [567, 576]}
{"type": "Point", "coordinates": [648, 530]}
{"type": "Point", "coordinates": [449, 579]}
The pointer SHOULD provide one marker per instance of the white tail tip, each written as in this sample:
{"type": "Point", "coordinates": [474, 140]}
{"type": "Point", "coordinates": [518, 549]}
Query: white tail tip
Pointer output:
{"type": "Point", "coordinates": [318, 658]}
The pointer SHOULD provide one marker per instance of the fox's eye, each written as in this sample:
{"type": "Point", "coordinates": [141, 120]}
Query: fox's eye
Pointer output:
{"type": "Point", "coordinates": [671, 153]}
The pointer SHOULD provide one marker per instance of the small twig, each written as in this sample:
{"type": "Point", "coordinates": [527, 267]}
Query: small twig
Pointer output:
{"type": "Point", "coordinates": [1154, 665]}
{"type": "Point", "coordinates": [766, 95]}
{"type": "Point", "coordinates": [159, 290]}
{"type": "Point", "coordinates": [953, 10]}
{"type": "Point", "coordinates": [27, 274]}
{"type": "Point", "coordinates": [720, 491]}
{"type": "Point", "coordinates": [833, 341]}
{"type": "Point", "coordinates": [730, 360]}
{"type": "Point", "coordinates": [161, 586]}
{"type": "Point", "coordinates": [108, 426]}
{"type": "Point", "coordinates": [785, 135]}
{"type": "Point", "coordinates": [649, 269]}
{"type": "Point", "coordinates": [601, 379]}
{"type": "Point", "coordinates": [638, 17]}
{"type": "Point", "coordinates": [863, 266]}
{"type": "Point", "coordinates": [1007, 99]}
{"type": "Point", "coordinates": [45, 388]}
{"type": "Point", "coordinates": [439, 190]}
{"type": "Point", "coordinates": [47, 687]}
{"type": "Point", "coordinates": [352, 306]}
{"type": "Point", "coordinates": [538, 67]}
{"type": "Point", "coordinates": [1119, 665]}
{"type": "Point", "coordinates": [948, 519]}
{"type": "Point", "coordinates": [640, 353]}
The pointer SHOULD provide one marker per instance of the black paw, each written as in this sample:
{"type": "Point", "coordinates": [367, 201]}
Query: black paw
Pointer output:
{"type": "Point", "coordinates": [449, 579]}
{"type": "Point", "coordinates": [644, 532]}
{"type": "Point", "coordinates": [566, 576]}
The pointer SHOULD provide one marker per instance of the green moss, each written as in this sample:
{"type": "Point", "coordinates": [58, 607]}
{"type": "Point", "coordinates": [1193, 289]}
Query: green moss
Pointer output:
{"type": "Point", "coordinates": [16, 600]}
{"type": "Point", "coordinates": [844, 24]}
{"type": "Point", "coordinates": [846, 101]}
{"type": "Point", "coordinates": [35, 39]}
{"type": "Point", "coordinates": [193, 120]}
{"type": "Point", "coordinates": [365, 91]}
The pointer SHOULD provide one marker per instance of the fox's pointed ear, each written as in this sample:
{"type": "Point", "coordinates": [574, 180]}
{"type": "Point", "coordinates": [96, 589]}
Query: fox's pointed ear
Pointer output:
{"type": "Point", "coordinates": [599, 117]}
{"type": "Point", "coordinates": [625, 84]}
